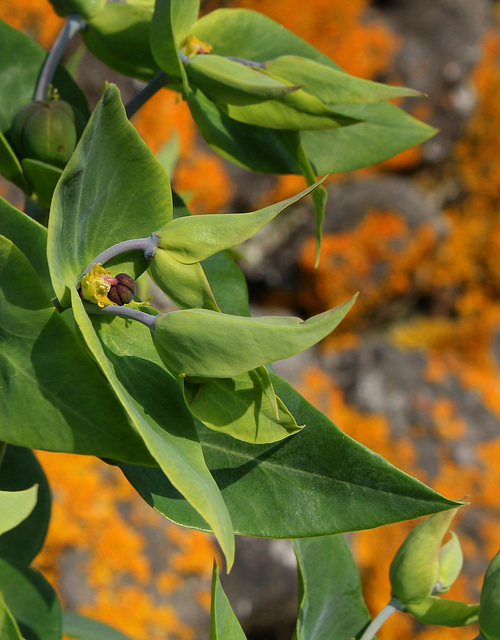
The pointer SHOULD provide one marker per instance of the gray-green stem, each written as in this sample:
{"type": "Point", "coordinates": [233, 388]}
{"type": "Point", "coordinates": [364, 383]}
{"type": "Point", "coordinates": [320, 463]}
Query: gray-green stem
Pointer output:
{"type": "Point", "coordinates": [73, 24]}
{"type": "Point", "coordinates": [157, 83]}
{"type": "Point", "coordinates": [393, 605]}
{"type": "Point", "coordinates": [124, 312]}
{"type": "Point", "coordinates": [147, 245]}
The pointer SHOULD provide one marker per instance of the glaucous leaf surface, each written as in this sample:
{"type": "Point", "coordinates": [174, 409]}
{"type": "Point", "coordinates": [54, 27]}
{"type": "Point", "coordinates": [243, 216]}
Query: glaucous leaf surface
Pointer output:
{"type": "Point", "coordinates": [315, 483]}
{"type": "Point", "coordinates": [8, 625]}
{"type": "Point", "coordinates": [224, 624]}
{"type": "Point", "coordinates": [112, 189]}
{"type": "Point", "coordinates": [16, 506]}
{"type": "Point", "coordinates": [154, 403]}
{"type": "Point", "coordinates": [20, 469]}
{"type": "Point", "coordinates": [83, 628]}
{"type": "Point", "coordinates": [445, 612]}
{"type": "Point", "coordinates": [331, 601]}
{"type": "Point", "coordinates": [32, 601]}
{"type": "Point", "coordinates": [76, 413]}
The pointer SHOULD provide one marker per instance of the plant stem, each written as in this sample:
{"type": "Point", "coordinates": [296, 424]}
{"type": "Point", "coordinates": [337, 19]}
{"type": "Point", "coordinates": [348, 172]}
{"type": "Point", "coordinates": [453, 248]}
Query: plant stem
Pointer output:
{"type": "Point", "coordinates": [393, 605]}
{"type": "Point", "coordinates": [73, 24]}
{"type": "Point", "coordinates": [157, 83]}
{"type": "Point", "coordinates": [125, 312]}
{"type": "Point", "coordinates": [247, 63]}
{"type": "Point", "coordinates": [148, 245]}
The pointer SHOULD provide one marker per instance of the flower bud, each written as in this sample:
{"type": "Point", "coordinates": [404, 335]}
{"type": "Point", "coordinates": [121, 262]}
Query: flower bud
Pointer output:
{"type": "Point", "coordinates": [45, 131]}
{"type": "Point", "coordinates": [123, 291]}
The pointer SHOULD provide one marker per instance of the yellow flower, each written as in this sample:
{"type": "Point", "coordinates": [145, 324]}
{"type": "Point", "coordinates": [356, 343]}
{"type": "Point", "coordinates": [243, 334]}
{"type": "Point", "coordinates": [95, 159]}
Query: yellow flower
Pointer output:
{"type": "Point", "coordinates": [96, 284]}
{"type": "Point", "coordinates": [192, 46]}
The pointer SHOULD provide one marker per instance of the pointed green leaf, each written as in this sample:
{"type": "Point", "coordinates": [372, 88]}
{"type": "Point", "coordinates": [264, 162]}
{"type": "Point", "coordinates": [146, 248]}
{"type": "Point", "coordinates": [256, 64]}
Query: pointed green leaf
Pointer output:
{"type": "Point", "coordinates": [451, 559]}
{"type": "Point", "coordinates": [32, 601]}
{"type": "Point", "coordinates": [333, 86]}
{"type": "Point", "coordinates": [489, 611]}
{"type": "Point", "coordinates": [194, 238]}
{"type": "Point", "coordinates": [227, 283]}
{"type": "Point", "coordinates": [154, 403]}
{"type": "Point", "coordinates": [16, 506]}
{"type": "Point", "coordinates": [10, 167]}
{"type": "Point", "coordinates": [224, 624]}
{"type": "Point", "coordinates": [226, 81]}
{"type": "Point", "coordinates": [43, 179]}
{"type": "Point", "coordinates": [119, 36]}
{"type": "Point", "coordinates": [112, 189]}
{"type": "Point", "coordinates": [83, 628]}
{"type": "Point", "coordinates": [200, 343]}
{"type": "Point", "coordinates": [441, 611]}
{"type": "Point", "coordinates": [331, 601]}
{"type": "Point", "coordinates": [414, 570]}
{"type": "Point", "coordinates": [8, 625]}
{"type": "Point", "coordinates": [318, 482]}
{"type": "Point", "coordinates": [76, 413]}
{"type": "Point", "coordinates": [20, 469]}
{"type": "Point", "coordinates": [240, 407]}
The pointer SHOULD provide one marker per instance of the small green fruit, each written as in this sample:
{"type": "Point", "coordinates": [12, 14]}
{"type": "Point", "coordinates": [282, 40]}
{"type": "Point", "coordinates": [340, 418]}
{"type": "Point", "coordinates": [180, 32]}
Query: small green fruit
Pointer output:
{"type": "Point", "coordinates": [45, 132]}
{"type": "Point", "coordinates": [84, 8]}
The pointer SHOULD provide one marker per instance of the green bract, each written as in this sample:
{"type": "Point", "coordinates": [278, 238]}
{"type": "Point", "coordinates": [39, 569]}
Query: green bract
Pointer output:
{"type": "Point", "coordinates": [489, 611]}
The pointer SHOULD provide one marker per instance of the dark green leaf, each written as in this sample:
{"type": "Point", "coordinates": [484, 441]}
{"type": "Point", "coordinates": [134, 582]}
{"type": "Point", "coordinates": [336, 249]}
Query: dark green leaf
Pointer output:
{"type": "Point", "coordinates": [19, 470]}
{"type": "Point", "coordinates": [331, 602]}
{"type": "Point", "coordinates": [43, 178]}
{"type": "Point", "coordinates": [112, 189]}
{"type": "Point", "coordinates": [32, 601]}
{"type": "Point", "coordinates": [76, 413]}
{"type": "Point", "coordinates": [8, 625]}
{"type": "Point", "coordinates": [489, 611]}
{"type": "Point", "coordinates": [317, 482]}
{"type": "Point", "coordinates": [224, 624]}
{"type": "Point", "coordinates": [83, 628]}
{"type": "Point", "coordinates": [10, 166]}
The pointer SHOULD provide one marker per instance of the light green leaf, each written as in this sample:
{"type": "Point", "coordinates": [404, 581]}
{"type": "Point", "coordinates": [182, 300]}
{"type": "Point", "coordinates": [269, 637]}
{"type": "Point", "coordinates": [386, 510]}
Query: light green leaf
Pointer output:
{"type": "Point", "coordinates": [154, 404]}
{"type": "Point", "coordinates": [331, 601]}
{"type": "Point", "coordinates": [194, 238]}
{"type": "Point", "coordinates": [10, 167]}
{"type": "Point", "coordinates": [316, 483]}
{"type": "Point", "coordinates": [224, 624]}
{"type": "Point", "coordinates": [112, 189]}
{"type": "Point", "coordinates": [8, 625]}
{"type": "Point", "coordinates": [83, 628]}
{"type": "Point", "coordinates": [228, 82]}
{"type": "Point", "coordinates": [43, 178]}
{"type": "Point", "coordinates": [76, 413]}
{"type": "Point", "coordinates": [32, 601]}
{"type": "Point", "coordinates": [16, 506]}
{"type": "Point", "coordinates": [200, 343]}
{"type": "Point", "coordinates": [119, 36]}
{"type": "Point", "coordinates": [442, 611]}
{"type": "Point", "coordinates": [451, 559]}
{"type": "Point", "coordinates": [241, 407]}
{"type": "Point", "coordinates": [19, 470]}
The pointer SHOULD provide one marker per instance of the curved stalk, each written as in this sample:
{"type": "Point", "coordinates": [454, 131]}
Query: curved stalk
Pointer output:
{"type": "Point", "coordinates": [157, 83]}
{"type": "Point", "coordinates": [247, 63]}
{"type": "Point", "coordinates": [148, 245]}
{"type": "Point", "coordinates": [124, 312]}
{"type": "Point", "coordinates": [73, 24]}
{"type": "Point", "coordinates": [393, 605]}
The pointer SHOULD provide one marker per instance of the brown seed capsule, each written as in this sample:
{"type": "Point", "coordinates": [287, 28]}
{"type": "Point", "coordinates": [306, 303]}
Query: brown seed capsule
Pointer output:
{"type": "Point", "coordinates": [122, 292]}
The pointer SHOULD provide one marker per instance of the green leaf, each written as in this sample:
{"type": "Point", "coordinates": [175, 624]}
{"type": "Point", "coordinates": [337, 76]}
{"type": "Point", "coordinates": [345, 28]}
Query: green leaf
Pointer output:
{"type": "Point", "coordinates": [414, 571]}
{"type": "Point", "coordinates": [333, 86]}
{"type": "Point", "coordinates": [441, 611]}
{"type": "Point", "coordinates": [252, 35]}
{"type": "Point", "coordinates": [119, 36]}
{"type": "Point", "coordinates": [224, 624]}
{"type": "Point", "coordinates": [43, 178]}
{"type": "Point", "coordinates": [331, 602]}
{"type": "Point", "coordinates": [227, 283]}
{"type": "Point", "coordinates": [16, 506]}
{"type": "Point", "coordinates": [32, 601]}
{"type": "Point", "coordinates": [20, 469]}
{"type": "Point", "coordinates": [112, 189]}
{"type": "Point", "coordinates": [451, 559]}
{"type": "Point", "coordinates": [21, 60]}
{"type": "Point", "coordinates": [226, 81]}
{"type": "Point", "coordinates": [30, 237]}
{"type": "Point", "coordinates": [8, 625]}
{"type": "Point", "coordinates": [85, 8]}
{"type": "Point", "coordinates": [317, 483]}
{"type": "Point", "coordinates": [198, 343]}
{"type": "Point", "coordinates": [83, 628]}
{"type": "Point", "coordinates": [154, 403]}
{"type": "Point", "coordinates": [194, 238]}
{"type": "Point", "coordinates": [489, 611]}
{"type": "Point", "coordinates": [172, 22]}
{"type": "Point", "coordinates": [10, 167]}
{"type": "Point", "coordinates": [383, 131]}
{"type": "Point", "coordinates": [241, 407]}
{"type": "Point", "coordinates": [75, 413]}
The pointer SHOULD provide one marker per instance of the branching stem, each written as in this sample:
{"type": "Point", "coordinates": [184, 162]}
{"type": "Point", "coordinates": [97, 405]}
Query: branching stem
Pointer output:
{"type": "Point", "coordinates": [125, 312]}
{"type": "Point", "coordinates": [148, 245]}
{"type": "Point", "coordinates": [73, 24]}
{"type": "Point", "coordinates": [393, 605]}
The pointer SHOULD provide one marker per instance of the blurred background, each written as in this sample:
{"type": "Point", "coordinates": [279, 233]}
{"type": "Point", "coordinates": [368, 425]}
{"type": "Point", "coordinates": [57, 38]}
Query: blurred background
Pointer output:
{"type": "Point", "coordinates": [413, 372]}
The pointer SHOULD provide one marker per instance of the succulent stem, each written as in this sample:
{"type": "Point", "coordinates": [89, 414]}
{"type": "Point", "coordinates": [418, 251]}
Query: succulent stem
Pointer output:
{"type": "Point", "coordinates": [247, 63]}
{"type": "Point", "coordinates": [125, 312]}
{"type": "Point", "coordinates": [157, 83]}
{"type": "Point", "coordinates": [148, 245]}
{"type": "Point", "coordinates": [393, 605]}
{"type": "Point", "coordinates": [73, 24]}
